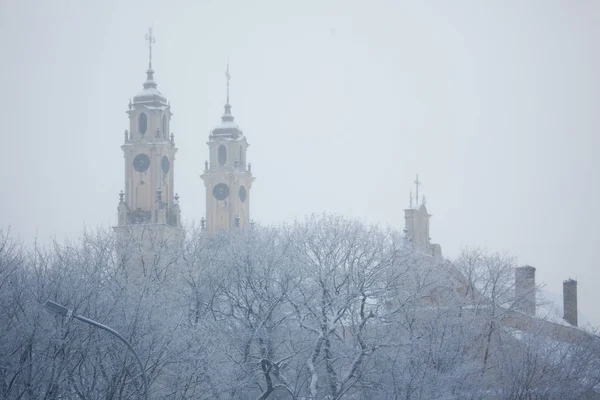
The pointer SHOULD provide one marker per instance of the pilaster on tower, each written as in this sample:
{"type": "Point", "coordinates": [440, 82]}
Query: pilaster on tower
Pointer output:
{"type": "Point", "coordinates": [148, 205]}
{"type": "Point", "coordinates": [227, 178]}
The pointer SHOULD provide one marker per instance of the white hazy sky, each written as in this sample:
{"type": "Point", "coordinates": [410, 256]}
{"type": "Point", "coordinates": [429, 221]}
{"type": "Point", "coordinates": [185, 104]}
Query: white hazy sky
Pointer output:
{"type": "Point", "coordinates": [494, 103]}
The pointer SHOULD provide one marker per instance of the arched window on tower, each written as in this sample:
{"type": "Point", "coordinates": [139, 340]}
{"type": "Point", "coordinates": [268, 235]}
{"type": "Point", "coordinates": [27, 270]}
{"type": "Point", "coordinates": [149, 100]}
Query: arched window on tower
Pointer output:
{"type": "Point", "coordinates": [142, 123]}
{"type": "Point", "coordinates": [222, 155]}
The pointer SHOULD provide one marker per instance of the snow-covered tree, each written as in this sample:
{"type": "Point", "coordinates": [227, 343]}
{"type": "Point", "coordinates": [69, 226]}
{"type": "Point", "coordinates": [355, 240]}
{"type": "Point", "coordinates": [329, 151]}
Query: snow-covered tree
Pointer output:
{"type": "Point", "coordinates": [325, 308]}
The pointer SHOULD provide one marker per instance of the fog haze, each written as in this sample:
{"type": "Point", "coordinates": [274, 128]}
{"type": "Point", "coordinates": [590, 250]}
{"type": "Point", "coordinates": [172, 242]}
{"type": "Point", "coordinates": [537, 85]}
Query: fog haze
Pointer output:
{"type": "Point", "coordinates": [494, 104]}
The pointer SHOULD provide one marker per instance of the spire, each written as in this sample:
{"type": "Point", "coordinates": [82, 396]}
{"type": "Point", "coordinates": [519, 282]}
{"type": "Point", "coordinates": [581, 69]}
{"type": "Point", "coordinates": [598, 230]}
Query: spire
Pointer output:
{"type": "Point", "coordinates": [227, 128]}
{"type": "Point", "coordinates": [228, 76]}
{"type": "Point", "coordinates": [227, 116]}
{"type": "Point", "coordinates": [417, 184]}
{"type": "Point", "coordinates": [151, 40]}
{"type": "Point", "coordinates": [150, 93]}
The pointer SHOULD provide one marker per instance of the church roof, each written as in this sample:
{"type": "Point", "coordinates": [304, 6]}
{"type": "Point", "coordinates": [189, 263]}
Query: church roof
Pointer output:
{"type": "Point", "coordinates": [227, 128]}
{"type": "Point", "coordinates": [150, 96]}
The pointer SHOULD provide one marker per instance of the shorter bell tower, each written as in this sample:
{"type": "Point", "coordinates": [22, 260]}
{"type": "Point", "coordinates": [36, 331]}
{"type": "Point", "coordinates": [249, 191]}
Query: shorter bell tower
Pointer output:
{"type": "Point", "coordinates": [227, 178]}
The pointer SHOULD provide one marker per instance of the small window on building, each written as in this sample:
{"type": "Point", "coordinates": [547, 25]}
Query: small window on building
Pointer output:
{"type": "Point", "coordinates": [222, 155]}
{"type": "Point", "coordinates": [142, 123]}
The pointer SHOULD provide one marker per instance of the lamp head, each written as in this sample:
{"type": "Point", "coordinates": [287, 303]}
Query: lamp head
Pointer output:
{"type": "Point", "coordinates": [57, 308]}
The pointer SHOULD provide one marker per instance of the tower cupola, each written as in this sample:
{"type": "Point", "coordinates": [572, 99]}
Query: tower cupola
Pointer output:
{"type": "Point", "coordinates": [228, 128]}
{"type": "Point", "coordinates": [150, 95]}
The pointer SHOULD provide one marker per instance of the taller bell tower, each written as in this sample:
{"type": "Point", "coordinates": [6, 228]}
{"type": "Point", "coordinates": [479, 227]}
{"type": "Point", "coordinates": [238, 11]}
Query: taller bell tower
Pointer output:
{"type": "Point", "coordinates": [227, 177]}
{"type": "Point", "coordinates": [148, 205]}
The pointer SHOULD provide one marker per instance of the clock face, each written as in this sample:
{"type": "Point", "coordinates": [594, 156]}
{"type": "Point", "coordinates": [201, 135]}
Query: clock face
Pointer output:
{"type": "Point", "coordinates": [141, 162]}
{"type": "Point", "coordinates": [165, 164]}
{"type": "Point", "coordinates": [221, 191]}
{"type": "Point", "coordinates": [242, 194]}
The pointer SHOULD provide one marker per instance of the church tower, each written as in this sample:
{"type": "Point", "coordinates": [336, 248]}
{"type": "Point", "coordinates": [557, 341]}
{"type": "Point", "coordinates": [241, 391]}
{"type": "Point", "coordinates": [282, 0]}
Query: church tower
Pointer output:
{"type": "Point", "coordinates": [148, 207]}
{"type": "Point", "coordinates": [226, 176]}
{"type": "Point", "coordinates": [416, 225]}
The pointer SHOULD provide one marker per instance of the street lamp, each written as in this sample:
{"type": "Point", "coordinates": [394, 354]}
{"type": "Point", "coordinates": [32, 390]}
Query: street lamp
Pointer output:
{"type": "Point", "coordinates": [65, 312]}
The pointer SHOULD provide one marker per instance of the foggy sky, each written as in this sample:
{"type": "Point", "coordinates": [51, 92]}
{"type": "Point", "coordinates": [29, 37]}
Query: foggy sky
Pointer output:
{"type": "Point", "coordinates": [495, 105]}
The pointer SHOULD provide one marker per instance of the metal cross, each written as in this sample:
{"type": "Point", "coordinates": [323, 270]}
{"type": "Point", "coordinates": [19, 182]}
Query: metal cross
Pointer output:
{"type": "Point", "coordinates": [151, 40]}
{"type": "Point", "coordinates": [228, 76]}
{"type": "Point", "coordinates": [417, 184]}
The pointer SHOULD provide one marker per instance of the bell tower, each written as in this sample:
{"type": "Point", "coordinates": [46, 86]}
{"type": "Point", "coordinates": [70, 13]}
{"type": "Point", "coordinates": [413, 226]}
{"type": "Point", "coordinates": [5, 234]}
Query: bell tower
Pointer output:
{"type": "Point", "coordinates": [148, 202]}
{"type": "Point", "coordinates": [227, 177]}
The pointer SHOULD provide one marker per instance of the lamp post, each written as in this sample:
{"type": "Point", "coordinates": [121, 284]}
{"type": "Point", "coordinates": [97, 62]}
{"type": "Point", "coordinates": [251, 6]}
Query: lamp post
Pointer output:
{"type": "Point", "coordinates": [65, 312]}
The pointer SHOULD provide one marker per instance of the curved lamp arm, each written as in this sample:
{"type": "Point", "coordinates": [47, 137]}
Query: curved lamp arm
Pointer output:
{"type": "Point", "coordinates": [65, 312]}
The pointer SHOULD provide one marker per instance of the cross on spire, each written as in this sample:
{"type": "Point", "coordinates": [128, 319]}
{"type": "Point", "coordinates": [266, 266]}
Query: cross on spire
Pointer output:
{"type": "Point", "coordinates": [417, 184]}
{"type": "Point", "coordinates": [227, 116]}
{"type": "Point", "coordinates": [151, 40]}
{"type": "Point", "coordinates": [228, 76]}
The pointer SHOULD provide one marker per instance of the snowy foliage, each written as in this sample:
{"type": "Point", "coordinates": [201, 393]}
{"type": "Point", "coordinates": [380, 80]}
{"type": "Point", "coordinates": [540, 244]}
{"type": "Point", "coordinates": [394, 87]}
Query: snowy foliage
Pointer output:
{"type": "Point", "coordinates": [327, 308]}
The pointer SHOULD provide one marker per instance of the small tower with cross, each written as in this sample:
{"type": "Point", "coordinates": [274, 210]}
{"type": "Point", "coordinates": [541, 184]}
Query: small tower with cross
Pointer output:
{"type": "Point", "coordinates": [416, 223]}
{"type": "Point", "coordinates": [226, 178]}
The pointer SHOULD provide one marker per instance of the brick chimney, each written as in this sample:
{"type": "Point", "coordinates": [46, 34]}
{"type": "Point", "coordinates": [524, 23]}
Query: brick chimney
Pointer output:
{"type": "Point", "coordinates": [570, 301]}
{"type": "Point", "coordinates": [525, 289]}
